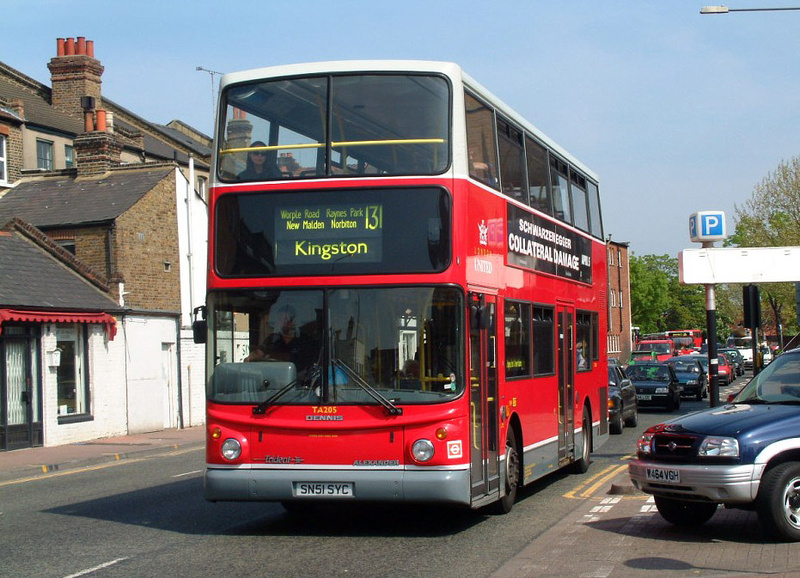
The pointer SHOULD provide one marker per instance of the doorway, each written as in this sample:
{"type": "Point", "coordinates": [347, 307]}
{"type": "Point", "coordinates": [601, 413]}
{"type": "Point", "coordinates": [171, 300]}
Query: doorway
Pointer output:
{"type": "Point", "coordinates": [20, 388]}
{"type": "Point", "coordinates": [484, 465]}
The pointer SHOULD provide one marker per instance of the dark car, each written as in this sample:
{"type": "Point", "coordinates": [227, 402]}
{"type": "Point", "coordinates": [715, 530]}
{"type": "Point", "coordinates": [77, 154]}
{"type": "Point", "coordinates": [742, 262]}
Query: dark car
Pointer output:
{"type": "Point", "coordinates": [735, 358]}
{"type": "Point", "coordinates": [691, 375]}
{"type": "Point", "coordinates": [745, 454]}
{"type": "Point", "coordinates": [656, 385]}
{"type": "Point", "coordinates": [622, 407]}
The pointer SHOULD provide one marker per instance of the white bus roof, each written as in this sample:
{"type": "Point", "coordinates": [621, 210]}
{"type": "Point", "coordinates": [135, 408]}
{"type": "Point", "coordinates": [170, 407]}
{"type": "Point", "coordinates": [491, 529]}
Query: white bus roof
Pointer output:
{"type": "Point", "coordinates": [449, 69]}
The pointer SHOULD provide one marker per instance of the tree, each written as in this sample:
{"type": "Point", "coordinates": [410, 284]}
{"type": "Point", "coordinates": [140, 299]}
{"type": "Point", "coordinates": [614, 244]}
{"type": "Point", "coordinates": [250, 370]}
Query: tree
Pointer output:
{"type": "Point", "coordinates": [649, 293]}
{"type": "Point", "coordinates": [658, 301]}
{"type": "Point", "coordinates": [771, 218]}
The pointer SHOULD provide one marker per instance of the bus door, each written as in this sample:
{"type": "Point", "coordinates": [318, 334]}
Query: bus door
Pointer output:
{"type": "Point", "coordinates": [566, 381]}
{"type": "Point", "coordinates": [484, 470]}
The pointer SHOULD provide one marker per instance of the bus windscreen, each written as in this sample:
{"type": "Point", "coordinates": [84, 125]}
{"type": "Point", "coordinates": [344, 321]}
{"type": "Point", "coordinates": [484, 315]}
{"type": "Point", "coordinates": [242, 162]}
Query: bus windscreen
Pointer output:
{"type": "Point", "coordinates": [335, 126]}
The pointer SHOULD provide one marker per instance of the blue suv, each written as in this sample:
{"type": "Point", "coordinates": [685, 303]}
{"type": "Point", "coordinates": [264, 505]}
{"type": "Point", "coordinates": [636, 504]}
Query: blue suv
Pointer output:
{"type": "Point", "coordinates": [745, 454]}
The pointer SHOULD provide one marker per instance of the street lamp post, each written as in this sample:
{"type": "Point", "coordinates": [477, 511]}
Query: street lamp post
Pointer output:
{"type": "Point", "coordinates": [725, 9]}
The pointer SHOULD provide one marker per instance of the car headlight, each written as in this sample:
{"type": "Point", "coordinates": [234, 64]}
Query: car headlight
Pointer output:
{"type": "Point", "coordinates": [691, 382]}
{"type": "Point", "coordinates": [231, 449]}
{"type": "Point", "coordinates": [422, 450]}
{"type": "Point", "coordinates": [645, 443]}
{"type": "Point", "coordinates": [661, 390]}
{"type": "Point", "coordinates": [716, 446]}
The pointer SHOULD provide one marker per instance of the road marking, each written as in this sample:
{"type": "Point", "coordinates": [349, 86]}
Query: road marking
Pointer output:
{"type": "Point", "coordinates": [52, 471]}
{"type": "Point", "coordinates": [68, 472]}
{"type": "Point", "coordinates": [591, 485]}
{"type": "Point", "coordinates": [96, 568]}
{"type": "Point", "coordinates": [188, 474]}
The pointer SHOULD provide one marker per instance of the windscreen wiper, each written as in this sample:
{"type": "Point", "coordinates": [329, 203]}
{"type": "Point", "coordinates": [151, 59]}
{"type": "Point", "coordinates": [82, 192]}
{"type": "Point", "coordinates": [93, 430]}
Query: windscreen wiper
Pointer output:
{"type": "Point", "coordinates": [261, 408]}
{"type": "Point", "coordinates": [391, 408]}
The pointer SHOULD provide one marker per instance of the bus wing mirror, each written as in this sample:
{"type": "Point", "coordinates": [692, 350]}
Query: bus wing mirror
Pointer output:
{"type": "Point", "coordinates": [479, 317]}
{"type": "Point", "coordinates": [199, 326]}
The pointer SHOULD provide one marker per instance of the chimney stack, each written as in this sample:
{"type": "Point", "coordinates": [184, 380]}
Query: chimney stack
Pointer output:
{"type": "Point", "coordinates": [74, 74]}
{"type": "Point", "coordinates": [96, 153]}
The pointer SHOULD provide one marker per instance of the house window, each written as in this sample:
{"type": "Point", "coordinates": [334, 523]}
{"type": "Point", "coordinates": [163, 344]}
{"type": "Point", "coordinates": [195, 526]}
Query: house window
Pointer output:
{"type": "Point", "coordinates": [73, 390]}
{"type": "Point", "coordinates": [67, 244]}
{"type": "Point", "coordinates": [3, 163]}
{"type": "Point", "coordinates": [69, 156]}
{"type": "Point", "coordinates": [202, 188]}
{"type": "Point", "coordinates": [44, 155]}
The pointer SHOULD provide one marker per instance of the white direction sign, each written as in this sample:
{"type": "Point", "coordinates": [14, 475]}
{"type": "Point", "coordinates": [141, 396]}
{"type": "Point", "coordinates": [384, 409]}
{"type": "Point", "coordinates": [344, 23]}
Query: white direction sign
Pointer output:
{"type": "Point", "coordinates": [739, 265]}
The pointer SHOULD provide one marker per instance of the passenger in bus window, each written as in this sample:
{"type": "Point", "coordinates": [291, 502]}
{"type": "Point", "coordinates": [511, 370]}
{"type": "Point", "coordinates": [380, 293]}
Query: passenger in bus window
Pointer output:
{"type": "Point", "coordinates": [583, 362]}
{"type": "Point", "coordinates": [260, 165]}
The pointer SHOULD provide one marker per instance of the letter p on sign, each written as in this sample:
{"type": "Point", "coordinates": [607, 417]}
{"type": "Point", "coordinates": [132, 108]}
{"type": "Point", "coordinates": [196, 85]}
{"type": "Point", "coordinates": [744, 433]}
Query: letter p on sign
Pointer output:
{"type": "Point", "coordinates": [707, 226]}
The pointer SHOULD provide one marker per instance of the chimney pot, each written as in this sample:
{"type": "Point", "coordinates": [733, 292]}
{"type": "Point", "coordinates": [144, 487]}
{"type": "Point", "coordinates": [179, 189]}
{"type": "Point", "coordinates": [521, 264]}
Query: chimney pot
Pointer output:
{"type": "Point", "coordinates": [88, 121]}
{"type": "Point", "coordinates": [81, 45]}
{"type": "Point", "coordinates": [101, 120]}
{"type": "Point", "coordinates": [90, 48]}
{"type": "Point", "coordinates": [75, 77]}
{"type": "Point", "coordinates": [60, 47]}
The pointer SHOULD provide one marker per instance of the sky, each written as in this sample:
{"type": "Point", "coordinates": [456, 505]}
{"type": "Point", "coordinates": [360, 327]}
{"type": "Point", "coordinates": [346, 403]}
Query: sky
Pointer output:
{"type": "Point", "coordinates": [675, 111]}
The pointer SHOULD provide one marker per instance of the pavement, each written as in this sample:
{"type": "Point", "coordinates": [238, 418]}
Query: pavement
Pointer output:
{"type": "Point", "coordinates": [614, 531]}
{"type": "Point", "coordinates": [29, 462]}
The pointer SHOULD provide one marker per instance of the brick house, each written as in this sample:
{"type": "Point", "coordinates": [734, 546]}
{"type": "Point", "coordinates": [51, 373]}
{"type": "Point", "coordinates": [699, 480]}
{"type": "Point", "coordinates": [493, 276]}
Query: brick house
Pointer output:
{"type": "Point", "coordinates": [57, 340]}
{"type": "Point", "coordinates": [126, 199]}
{"type": "Point", "coordinates": [620, 340]}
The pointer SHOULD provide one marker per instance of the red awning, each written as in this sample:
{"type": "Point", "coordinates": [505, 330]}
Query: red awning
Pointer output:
{"type": "Point", "coordinates": [57, 317]}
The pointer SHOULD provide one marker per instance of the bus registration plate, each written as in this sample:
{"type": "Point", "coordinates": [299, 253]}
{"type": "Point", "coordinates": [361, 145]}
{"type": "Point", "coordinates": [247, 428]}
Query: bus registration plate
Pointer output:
{"type": "Point", "coordinates": [667, 475]}
{"type": "Point", "coordinates": [323, 489]}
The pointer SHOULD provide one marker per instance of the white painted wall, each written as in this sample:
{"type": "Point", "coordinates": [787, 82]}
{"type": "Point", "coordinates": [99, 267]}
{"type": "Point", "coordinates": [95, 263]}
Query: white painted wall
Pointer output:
{"type": "Point", "coordinates": [105, 363]}
{"type": "Point", "coordinates": [192, 244]}
{"type": "Point", "coordinates": [152, 398]}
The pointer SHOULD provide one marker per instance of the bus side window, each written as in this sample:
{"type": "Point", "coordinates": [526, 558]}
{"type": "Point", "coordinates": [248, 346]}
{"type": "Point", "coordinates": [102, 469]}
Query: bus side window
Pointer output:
{"type": "Point", "coordinates": [538, 181]}
{"type": "Point", "coordinates": [481, 142]}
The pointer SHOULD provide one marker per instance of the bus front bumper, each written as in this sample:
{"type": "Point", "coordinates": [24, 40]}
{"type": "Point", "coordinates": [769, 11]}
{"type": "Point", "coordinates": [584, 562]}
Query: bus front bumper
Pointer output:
{"type": "Point", "coordinates": [449, 486]}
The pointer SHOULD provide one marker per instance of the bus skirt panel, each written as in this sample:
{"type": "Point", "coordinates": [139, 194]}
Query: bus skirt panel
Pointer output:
{"type": "Point", "coordinates": [451, 486]}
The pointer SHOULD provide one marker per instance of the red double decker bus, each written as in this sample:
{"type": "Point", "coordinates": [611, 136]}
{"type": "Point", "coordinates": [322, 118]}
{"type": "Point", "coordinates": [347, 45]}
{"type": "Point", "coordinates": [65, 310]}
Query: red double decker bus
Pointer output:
{"type": "Point", "coordinates": [686, 339]}
{"type": "Point", "coordinates": [406, 291]}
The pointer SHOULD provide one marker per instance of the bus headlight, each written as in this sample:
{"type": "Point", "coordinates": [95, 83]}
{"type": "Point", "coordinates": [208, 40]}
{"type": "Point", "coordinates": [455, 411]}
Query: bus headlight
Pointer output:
{"type": "Point", "coordinates": [231, 449]}
{"type": "Point", "coordinates": [422, 450]}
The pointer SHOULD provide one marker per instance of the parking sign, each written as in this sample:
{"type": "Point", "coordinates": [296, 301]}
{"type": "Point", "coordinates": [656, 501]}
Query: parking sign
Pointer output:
{"type": "Point", "coordinates": [705, 226]}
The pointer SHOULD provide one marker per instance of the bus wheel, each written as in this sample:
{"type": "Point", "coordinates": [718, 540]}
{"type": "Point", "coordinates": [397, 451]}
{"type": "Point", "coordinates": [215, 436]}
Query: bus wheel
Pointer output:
{"type": "Point", "coordinates": [581, 465]}
{"type": "Point", "coordinates": [778, 501]}
{"type": "Point", "coordinates": [512, 478]}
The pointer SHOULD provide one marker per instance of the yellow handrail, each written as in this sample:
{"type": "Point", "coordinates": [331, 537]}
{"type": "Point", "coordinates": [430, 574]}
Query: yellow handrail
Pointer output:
{"type": "Point", "coordinates": [355, 143]}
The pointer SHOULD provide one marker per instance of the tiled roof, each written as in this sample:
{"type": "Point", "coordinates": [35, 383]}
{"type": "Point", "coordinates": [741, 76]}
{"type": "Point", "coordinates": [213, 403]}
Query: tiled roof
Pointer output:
{"type": "Point", "coordinates": [25, 265]}
{"type": "Point", "coordinates": [61, 201]}
{"type": "Point", "coordinates": [36, 97]}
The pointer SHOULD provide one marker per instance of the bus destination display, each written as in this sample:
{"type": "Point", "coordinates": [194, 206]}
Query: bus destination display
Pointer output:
{"type": "Point", "coordinates": [310, 235]}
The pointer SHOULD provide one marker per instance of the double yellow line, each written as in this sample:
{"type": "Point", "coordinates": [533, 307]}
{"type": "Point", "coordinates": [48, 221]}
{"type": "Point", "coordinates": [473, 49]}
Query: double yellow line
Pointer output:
{"type": "Point", "coordinates": [593, 483]}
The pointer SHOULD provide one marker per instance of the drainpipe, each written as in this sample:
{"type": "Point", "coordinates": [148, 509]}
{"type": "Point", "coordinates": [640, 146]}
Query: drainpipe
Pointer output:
{"type": "Point", "coordinates": [190, 245]}
{"type": "Point", "coordinates": [180, 372]}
